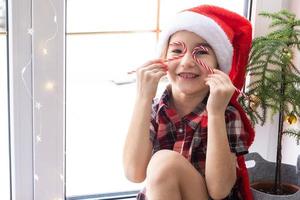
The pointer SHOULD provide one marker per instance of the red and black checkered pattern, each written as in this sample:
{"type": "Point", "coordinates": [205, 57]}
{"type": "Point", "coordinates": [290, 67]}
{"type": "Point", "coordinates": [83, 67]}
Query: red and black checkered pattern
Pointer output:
{"type": "Point", "coordinates": [188, 135]}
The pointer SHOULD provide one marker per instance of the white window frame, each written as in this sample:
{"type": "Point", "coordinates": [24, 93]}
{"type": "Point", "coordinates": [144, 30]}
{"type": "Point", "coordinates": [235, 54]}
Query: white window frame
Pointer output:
{"type": "Point", "coordinates": [4, 127]}
{"type": "Point", "coordinates": [37, 132]}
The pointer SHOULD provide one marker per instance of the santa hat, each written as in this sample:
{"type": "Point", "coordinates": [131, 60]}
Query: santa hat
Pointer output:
{"type": "Point", "coordinates": [228, 33]}
{"type": "Point", "coordinates": [230, 36]}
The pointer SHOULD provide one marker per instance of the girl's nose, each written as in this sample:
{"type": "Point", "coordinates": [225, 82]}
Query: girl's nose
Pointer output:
{"type": "Point", "coordinates": [187, 60]}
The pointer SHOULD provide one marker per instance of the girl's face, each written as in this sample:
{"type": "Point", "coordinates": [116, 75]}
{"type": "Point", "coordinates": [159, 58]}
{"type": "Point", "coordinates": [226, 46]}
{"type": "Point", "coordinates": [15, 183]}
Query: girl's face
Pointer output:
{"type": "Point", "coordinates": [185, 75]}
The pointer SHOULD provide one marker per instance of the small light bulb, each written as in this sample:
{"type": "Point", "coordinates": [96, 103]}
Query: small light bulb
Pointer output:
{"type": "Point", "coordinates": [45, 51]}
{"type": "Point", "coordinates": [23, 70]}
{"type": "Point", "coordinates": [36, 177]}
{"type": "Point", "coordinates": [38, 105]}
{"type": "Point", "coordinates": [30, 31]}
{"type": "Point", "coordinates": [55, 18]}
{"type": "Point", "coordinates": [61, 177]}
{"type": "Point", "coordinates": [49, 86]}
{"type": "Point", "coordinates": [38, 138]}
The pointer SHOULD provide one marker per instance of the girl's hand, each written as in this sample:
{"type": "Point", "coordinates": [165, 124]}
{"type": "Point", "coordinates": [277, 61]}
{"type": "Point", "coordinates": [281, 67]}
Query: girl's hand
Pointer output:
{"type": "Point", "coordinates": [148, 76]}
{"type": "Point", "coordinates": [221, 89]}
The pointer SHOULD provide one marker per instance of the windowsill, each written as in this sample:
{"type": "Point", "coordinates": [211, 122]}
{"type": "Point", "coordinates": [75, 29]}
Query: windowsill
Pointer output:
{"type": "Point", "coordinates": [129, 195]}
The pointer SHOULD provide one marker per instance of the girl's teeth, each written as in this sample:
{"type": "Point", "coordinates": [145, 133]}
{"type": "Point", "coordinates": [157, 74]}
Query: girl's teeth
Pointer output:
{"type": "Point", "coordinates": [186, 75]}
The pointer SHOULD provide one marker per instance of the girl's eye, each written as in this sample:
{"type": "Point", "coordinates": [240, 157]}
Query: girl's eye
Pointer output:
{"type": "Point", "coordinates": [200, 52]}
{"type": "Point", "coordinates": [176, 51]}
{"type": "Point", "coordinates": [177, 48]}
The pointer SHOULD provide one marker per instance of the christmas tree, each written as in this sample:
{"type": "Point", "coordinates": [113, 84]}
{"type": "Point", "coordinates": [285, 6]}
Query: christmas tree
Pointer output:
{"type": "Point", "coordinates": [275, 80]}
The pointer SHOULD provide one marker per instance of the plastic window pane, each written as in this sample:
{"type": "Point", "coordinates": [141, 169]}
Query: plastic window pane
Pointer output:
{"type": "Point", "coordinates": [98, 110]}
{"type": "Point", "coordinates": [112, 15]}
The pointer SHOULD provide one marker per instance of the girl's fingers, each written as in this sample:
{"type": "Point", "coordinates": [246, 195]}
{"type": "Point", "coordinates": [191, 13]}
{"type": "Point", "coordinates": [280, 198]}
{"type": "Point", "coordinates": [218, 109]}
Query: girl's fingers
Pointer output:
{"type": "Point", "coordinates": [223, 78]}
{"type": "Point", "coordinates": [154, 62]}
{"type": "Point", "coordinates": [227, 79]}
{"type": "Point", "coordinates": [216, 80]}
{"type": "Point", "coordinates": [155, 71]}
{"type": "Point", "coordinates": [160, 74]}
{"type": "Point", "coordinates": [217, 83]}
{"type": "Point", "coordinates": [212, 83]}
{"type": "Point", "coordinates": [220, 75]}
{"type": "Point", "coordinates": [151, 73]}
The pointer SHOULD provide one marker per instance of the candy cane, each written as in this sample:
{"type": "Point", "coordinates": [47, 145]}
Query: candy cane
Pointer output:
{"type": "Point", "coordinates": [199, 61]}
{"type": "Point", "coordinates": [177, 43]}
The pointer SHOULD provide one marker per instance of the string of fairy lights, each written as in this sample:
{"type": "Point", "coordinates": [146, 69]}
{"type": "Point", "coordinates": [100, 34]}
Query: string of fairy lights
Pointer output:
{"type": "Point", "coordinates": [48, 86]}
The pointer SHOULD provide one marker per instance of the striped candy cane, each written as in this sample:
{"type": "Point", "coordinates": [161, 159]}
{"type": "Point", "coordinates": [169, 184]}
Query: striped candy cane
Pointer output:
{"type": "Point", "coordinates": [184, 49]}
{"type": "Point", "coordinates": [200, 62]}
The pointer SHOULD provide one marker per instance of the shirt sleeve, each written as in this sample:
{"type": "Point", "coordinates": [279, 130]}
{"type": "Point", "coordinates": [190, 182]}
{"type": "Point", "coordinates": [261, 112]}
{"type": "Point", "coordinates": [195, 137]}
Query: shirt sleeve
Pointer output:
{"type": "Point", "coordinates": [237, 136]}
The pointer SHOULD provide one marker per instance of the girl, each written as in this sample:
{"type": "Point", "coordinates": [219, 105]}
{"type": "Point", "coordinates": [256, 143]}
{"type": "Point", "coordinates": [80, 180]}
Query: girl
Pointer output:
{"type": "Point", "coordinates": [189, 143]}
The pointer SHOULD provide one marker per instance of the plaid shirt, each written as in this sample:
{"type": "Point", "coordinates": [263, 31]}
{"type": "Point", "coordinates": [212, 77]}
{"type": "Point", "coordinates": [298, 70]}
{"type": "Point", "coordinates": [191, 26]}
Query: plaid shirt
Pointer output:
{"type": "Point", "coordinates": [188, 135]}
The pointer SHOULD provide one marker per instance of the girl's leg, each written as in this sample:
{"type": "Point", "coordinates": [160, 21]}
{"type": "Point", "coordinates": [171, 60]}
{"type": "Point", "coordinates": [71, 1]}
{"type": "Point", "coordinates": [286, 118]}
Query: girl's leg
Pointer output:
{"type": "Point", "coordinates": [171, 176]}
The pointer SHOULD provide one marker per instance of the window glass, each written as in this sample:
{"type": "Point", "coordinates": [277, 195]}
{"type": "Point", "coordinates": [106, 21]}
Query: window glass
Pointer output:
{"type": "Point", "coordinates": [99, 102]}
{"type": "Point", "coordinates": [112, 15]}
{"type": "Point", "coordinates": [99, 92]}
{"type": "Point", "coordinates": [4, 134]}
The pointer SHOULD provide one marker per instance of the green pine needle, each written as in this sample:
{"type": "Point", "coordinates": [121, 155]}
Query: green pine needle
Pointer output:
{"type": "Point", "coordinates": [293, 133]}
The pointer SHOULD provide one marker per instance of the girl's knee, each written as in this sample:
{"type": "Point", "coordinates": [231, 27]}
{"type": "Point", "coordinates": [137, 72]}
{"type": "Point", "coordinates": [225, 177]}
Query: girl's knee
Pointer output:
{"type": "Point", "coordinates": [164, 159]}
{"type": "Point", "coordinates": [162, 165]}
{"type": "Point", "coordinates": [170, 169]}
{"type": "Point", "coordinates": [162, 169]}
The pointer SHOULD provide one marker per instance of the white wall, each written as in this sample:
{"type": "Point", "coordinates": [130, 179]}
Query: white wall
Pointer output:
{"type": "Point", "coordinates": [266, 137]}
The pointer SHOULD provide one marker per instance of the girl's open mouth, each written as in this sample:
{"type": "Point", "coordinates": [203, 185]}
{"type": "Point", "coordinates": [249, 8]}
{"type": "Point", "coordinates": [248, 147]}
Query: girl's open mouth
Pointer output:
{"type": "Point", "coordinates": [187, 75]}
